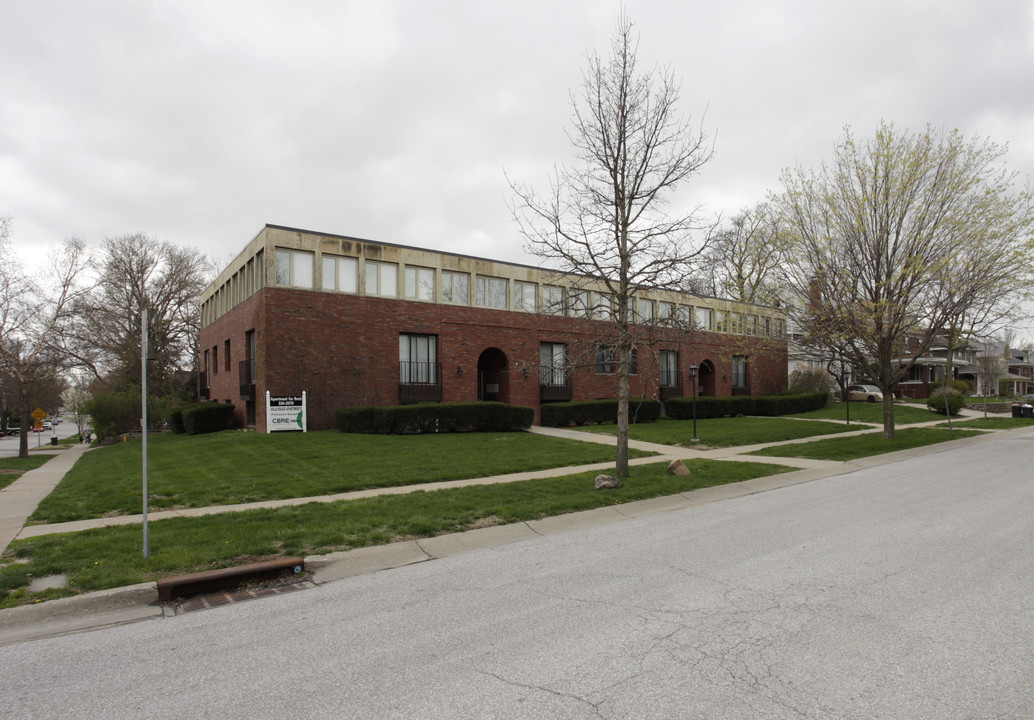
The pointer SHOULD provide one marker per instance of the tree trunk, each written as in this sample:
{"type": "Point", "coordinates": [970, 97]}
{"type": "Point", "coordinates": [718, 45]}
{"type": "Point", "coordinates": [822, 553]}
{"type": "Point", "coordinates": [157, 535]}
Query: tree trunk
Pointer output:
{"type": "Point", "coordinates": [624, 353]}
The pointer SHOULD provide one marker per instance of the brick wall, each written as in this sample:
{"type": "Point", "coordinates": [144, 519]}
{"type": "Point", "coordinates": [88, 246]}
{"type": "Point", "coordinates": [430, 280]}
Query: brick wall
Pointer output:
{"type": "Point", "coordinates": [343, 351]}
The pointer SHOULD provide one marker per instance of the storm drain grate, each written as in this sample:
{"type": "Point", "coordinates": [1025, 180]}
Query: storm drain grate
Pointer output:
{"type": "Point", "coordinates": [205, 602]}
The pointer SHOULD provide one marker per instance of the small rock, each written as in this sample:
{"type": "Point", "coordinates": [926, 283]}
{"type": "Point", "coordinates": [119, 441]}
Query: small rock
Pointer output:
{"type": "Point", "coordinates": [607, 482]}
{"type": "Point", "coordinates": [48, 582]}
{"type": "Point", "coordinates": [677, 467]}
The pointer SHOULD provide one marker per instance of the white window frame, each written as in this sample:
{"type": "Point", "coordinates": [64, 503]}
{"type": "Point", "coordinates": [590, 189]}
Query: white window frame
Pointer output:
{"type": "Point", "coordinates": [551, 299]}
{"type": "Point", "coordinates": [524, 294]}
{"type": "Point", "coordinates": [419, 283]}
{"type": "Point", "coordinates": [489, 288]}
{"type": "Point", "coordinates": [450, 293]}
{"type": "Point", "coordinates": [382, 278]}
{"type": "Point", "coordinates": [295, 267]}
{"type": "Point", "coordinates": [340, 273]}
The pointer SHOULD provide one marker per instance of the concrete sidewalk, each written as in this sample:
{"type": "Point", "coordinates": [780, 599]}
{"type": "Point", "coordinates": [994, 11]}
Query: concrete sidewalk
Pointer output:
{"type": "Point", "coordinates": [19, 499]}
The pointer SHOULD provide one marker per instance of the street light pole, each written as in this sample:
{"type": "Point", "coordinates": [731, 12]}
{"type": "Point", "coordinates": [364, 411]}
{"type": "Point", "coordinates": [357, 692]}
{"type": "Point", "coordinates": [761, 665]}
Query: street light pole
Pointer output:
{"type": "Point", "coordinates": [693, 370]}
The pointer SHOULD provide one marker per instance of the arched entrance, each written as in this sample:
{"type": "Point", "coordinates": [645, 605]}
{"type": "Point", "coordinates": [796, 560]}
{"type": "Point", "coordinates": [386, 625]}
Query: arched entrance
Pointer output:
{"type": "Point", "coordinates": [493, 376]}
{"type": "Point", "coordinates": [706, 379]}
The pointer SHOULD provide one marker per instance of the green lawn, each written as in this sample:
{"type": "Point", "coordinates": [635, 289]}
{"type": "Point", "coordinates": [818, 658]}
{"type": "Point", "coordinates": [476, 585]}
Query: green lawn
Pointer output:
{"type": "Point", "coordinates": [723, 432]}
{"type": "Point", "coordinates": [870, 413]}
{"type": "Point", "coordinates": [858, 446]}
{"type": "Point", "coordinates": [237, 467]}
{"type": "Point", "coordinates": [112, 557]}
{"type": "Point", "coordinates": [992, 423]}
{"type": "Point", "coordinates": [12, 468]}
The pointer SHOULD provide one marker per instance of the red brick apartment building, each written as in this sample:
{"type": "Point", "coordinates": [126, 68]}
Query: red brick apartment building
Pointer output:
{"type": "Point", "coordinates": [353, 322]}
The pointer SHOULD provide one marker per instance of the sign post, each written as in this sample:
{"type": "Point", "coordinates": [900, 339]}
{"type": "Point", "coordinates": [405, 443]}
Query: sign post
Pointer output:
{"type": "Point", "coordinates": [286, 413]}
{"type": "Point", "coordinates": [37, 426]}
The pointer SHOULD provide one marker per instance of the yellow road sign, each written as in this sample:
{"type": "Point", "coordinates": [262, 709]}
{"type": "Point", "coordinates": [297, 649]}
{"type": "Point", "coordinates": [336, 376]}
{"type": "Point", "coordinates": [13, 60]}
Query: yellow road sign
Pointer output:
{"type": "Point", "coordinates": [38, 414]}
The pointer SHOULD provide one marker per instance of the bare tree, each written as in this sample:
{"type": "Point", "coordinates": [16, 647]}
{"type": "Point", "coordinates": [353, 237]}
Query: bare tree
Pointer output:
{"type": "Point", "coordinates": [745, 257]}
{"type": "Point", "coordinates": [136, 272]}
{"type": "Point", "coordinates": [876, 233]}
{"type": "Point", "coordinates": [34, 319]}
{"type": "Point", "coordinates": [603, 220]}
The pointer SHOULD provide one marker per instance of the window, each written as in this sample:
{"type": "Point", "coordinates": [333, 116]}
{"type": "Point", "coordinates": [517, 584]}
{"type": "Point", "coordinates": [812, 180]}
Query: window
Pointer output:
{"type": "Point", "coordinates": [752, 324]}
{"type": "Point", "coordinates": [721, 322]}
{"type": "Point", "coordinates": [766, 326]}
{"type": "Point", "coordinates": [630, 313]}
{"type": "Point", "coordinates": [665, 312]}
{"type": "Point", "coordinates": [491, 292]}
{"type": "Point", "coordinates": [524, 296]}
{"type": "Point", "coordinates": [340, 273]}
{"type": "Point", "coordinates": [606, 361]}
{"type": "Point", "coordinates": [646, 312]}
{"type": "Point", "coordinates": [578, 303]}
{"type": "Point", "coordinates": [382, 279]}
{"type": "Point", "coordinates": [603, 309]}
{"type": "Point", "coordinates": [685, 315]}
{"type": "Point", "coordinates": [552, 370]}
{"type": "Point", "coordinates": [739, 371]}
{"type": "Point", "coordinates": [704, 318]}
{"type": "Point", "coordinates": [455, 287]}
{"type": "Point", "coordinates": [669, 362]}
{"type": "Point", "coordinates": [226, 356]}
{"type": "Point", "coordinates": [207, 365]}
{"type": "Point", "coordinates": [420, 283]}
{"type": "Point", "coordinates": [294, 267]}
{"type": "Point", "coordinates": [215, 360]}
{"type": "Point", "coordinates": [552, 300]}
{"type": "Point", "coordinates": [418, 359]}
{"type": "Point", "coordinates": [252, 354]}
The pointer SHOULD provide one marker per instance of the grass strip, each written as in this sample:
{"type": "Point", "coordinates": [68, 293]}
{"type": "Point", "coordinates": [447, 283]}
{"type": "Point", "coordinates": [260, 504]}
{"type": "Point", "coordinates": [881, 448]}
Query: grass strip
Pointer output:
{"type": "Point", "coordinates": [869, 413]}
{"type": "Point", "coordinates": [112, 557]}
{"type": "Point", "coordinates": [234, 467]}
{"type": "Point", "coordinates": [859, 446]}
{"type": "Point", "coordinates": [723, 432]}
{"type": "Point", "coordinates": [12, 468]}
{"type": "Point", "coordinates": [992, 423]}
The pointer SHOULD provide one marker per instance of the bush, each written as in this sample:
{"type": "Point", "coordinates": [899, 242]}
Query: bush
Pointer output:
{"type": "Point", "coordinates": [960, 386]}
{"type": "Point", "coordinates": [767, 405]}
{"type": "Point", "coordinates": [119, 413]}
{"type": "Point", "coordinates": [640, 410]}
{"type": "Point", "coordinates": [176, 418]}
{"type": "Point", "coordinates": [434, 418]}
{"type": "Point", "coordinates": [811, 380]}
{"type": "Point", "coordinates": [936, 402]}
{"type": "Point", "coordinates": [209, 417]}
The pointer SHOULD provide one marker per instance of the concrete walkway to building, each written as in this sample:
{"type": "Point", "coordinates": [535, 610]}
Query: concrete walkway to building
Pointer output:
{"type": "Point", "coordinates": [27, 492]}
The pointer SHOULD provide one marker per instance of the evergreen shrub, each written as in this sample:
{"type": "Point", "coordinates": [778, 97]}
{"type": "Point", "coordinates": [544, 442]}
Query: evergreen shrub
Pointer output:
{"type": "Point", "coordinates": [434, 418]}
{"type": "Point", "coordinates": [936, 402]}
{"type": "Point", "coordinates": [640, 410]}
{"type": "Point", "coordinates": [209, 417]}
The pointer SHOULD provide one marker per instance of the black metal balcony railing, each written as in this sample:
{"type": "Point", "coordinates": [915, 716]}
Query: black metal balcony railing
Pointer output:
{"type": "Point", "coordinates": [556, 390]}
{"type": "Point", "coordinates": [420, 382]}
{"type": "Point", "coordinates": [671, 384]}
{"type": "Point", "coordinates": [246, 373]}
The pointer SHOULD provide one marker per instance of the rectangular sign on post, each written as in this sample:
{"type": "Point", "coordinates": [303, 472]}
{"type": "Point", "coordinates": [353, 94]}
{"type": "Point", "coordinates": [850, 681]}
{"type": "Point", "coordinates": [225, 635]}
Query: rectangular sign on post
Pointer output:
{"type": "Point", "coordinates": [285, 413]}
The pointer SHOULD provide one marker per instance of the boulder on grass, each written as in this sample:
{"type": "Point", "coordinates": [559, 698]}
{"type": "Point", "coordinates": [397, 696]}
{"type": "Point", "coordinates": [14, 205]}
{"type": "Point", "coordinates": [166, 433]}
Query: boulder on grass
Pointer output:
{"type": "Point", "coordinates": [677, 467]}
{"type": "Point", "coordinates": [607, 482]}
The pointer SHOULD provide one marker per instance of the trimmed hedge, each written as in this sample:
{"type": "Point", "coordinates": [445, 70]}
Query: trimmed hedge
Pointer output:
{"type": "Point", "coordinates": [640, 410]}
{"type": "Point", "coordinates": [434, 418]}
{"type": "Point", "coordinates": [766, 405]}
{"type": "Point", "coordinates": [176, 418]}
{"type": "Point", "coordinates": [208, 418]}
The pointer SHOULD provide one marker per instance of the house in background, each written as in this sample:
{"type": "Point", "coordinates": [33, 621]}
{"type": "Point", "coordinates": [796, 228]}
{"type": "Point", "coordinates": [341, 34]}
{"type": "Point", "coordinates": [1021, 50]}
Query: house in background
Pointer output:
{"type": "Point", "coordinates": [356, 323]}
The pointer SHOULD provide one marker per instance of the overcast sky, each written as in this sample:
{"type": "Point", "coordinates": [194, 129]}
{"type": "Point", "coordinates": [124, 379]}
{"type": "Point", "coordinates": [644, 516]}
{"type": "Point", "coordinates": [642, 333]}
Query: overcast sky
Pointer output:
{"type": "Point", "coordinates": [198, 121]}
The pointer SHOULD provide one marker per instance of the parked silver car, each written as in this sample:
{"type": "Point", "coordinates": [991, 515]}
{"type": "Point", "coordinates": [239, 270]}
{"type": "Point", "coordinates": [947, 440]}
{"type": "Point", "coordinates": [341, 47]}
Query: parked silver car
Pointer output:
{"type": "Point", "coordinates": [864, 393]}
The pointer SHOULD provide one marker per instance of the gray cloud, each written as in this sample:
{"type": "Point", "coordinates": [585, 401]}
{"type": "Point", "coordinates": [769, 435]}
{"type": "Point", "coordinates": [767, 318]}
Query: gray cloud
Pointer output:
{"type": "Point", "coordinates": [198, 121]}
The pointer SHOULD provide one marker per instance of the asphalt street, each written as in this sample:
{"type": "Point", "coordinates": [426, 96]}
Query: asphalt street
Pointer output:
{"type": "Point", "coordinates": [899, 591]}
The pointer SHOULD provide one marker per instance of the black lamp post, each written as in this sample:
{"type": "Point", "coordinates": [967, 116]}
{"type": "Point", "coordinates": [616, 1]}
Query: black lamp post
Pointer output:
{"type": "Point", "coordinates": [693, 369]}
